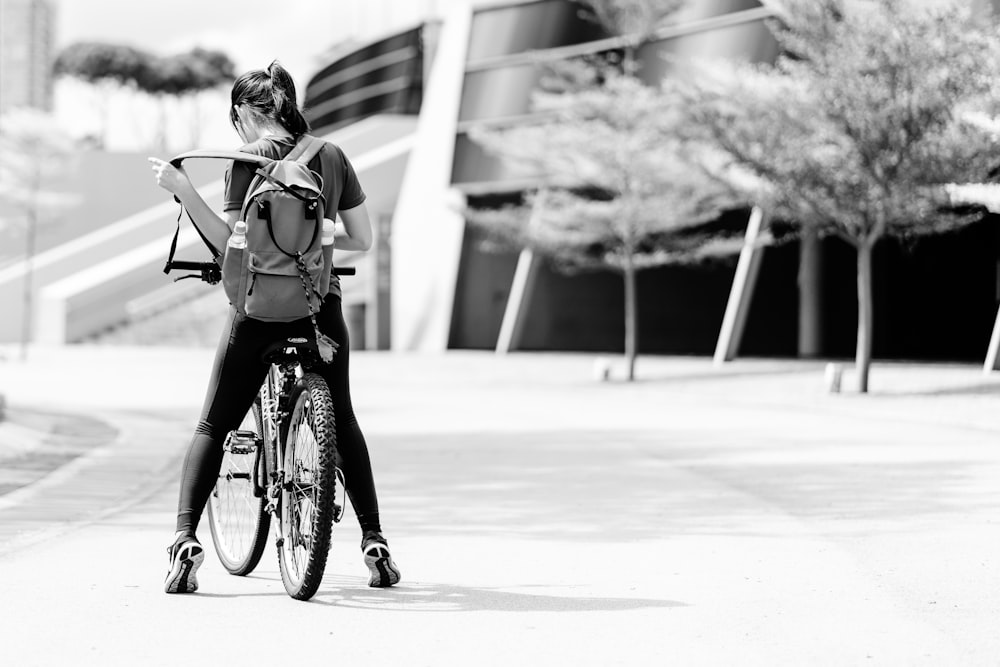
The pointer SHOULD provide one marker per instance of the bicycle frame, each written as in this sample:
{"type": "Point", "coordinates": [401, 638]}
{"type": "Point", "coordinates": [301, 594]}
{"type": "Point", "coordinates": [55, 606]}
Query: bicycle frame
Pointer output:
{"type": "Point", "coordinates": [274, 411]}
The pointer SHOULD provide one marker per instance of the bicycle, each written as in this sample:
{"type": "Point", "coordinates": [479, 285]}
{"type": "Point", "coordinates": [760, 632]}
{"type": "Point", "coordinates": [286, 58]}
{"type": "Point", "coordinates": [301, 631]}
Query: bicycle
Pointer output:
{"type": "Point", "coordinates": [281, 466]}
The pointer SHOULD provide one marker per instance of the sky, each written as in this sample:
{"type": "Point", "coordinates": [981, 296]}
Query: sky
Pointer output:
{"type": "Point", "coordinates": [251, 32]}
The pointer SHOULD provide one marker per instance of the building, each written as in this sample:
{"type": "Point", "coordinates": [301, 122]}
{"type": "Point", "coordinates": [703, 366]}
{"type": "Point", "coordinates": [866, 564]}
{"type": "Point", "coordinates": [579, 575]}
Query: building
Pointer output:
{"type": "Point", "coordinates": [402, 104]}
{"type": "Point", "coordinates": [26, 53]}
{"type": "Point", "coordinates": [478, 67]}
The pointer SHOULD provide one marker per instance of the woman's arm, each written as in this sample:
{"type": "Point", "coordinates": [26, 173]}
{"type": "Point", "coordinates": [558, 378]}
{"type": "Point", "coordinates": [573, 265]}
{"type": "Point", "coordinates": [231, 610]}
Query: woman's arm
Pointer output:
{"type": "Point", "coordinates": [175, 181]}
{"type": "Point", "coordinates": [355, 233]}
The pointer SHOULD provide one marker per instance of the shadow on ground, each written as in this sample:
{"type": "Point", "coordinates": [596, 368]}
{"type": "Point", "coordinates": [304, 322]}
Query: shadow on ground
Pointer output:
{"type": "Point", "coordinates": [342, 591]}
{"type": "Point", "coordinates": [591, 486]}
{"type": "Point", "coordinates": [43, 442]}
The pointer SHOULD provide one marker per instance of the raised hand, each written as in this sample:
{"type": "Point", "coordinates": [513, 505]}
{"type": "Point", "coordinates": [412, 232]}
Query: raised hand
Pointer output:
{"type": "Point", "coordinates": [169, 177]}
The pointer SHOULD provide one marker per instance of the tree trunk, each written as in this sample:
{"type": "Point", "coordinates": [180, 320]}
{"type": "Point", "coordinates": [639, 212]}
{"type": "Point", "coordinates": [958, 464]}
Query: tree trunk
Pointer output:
{"type": "Point", "coordinates": [29, 254]}
{"type": "Point", "coordinates": [629, 65]}
{"type": "Point", "coordinates": [160, 137]}
{"type": "Point", "coordinates": [105, 93]}
{"type": "Point", "coordinates": [863, 356]}
{"type": "Point", "coordinates": [631, 318]}
{"type": "Point", "coordinates": [196, 116]}
{"type": "Point", "coordinates": [810, 282]}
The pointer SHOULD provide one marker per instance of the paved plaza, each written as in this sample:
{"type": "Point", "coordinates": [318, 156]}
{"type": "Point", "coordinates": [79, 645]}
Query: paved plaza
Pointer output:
{"type": "Point", "coordinates": [540, 516]}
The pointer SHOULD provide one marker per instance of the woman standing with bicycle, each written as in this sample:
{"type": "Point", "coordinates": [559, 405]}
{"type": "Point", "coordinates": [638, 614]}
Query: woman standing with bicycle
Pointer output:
{"type": "Point", "coordinates": [265, 114]}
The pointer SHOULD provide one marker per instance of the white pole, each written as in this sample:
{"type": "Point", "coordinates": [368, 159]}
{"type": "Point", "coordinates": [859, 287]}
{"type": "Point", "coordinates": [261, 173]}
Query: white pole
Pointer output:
{"type": "Point", "coordinates": [993, 353]}
{"type": "Point", "coordinates": [521, 289]}
{"type": "Point", "coordinates": [747, 268]}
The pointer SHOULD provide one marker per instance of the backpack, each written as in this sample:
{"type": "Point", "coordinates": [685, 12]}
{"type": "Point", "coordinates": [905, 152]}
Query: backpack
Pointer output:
{"type": "Point", "coordinates": [284, 270]}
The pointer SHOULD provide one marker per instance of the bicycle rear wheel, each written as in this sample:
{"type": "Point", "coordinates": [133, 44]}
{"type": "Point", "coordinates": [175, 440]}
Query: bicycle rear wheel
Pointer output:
{"type": "Point", "coordinates": [307, 497]}
{"type": "Point", "coordinates": [238, 518]}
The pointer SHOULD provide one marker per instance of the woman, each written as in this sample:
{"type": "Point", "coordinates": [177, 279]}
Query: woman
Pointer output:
{"type": "Point", "coordinates": [265, 114]}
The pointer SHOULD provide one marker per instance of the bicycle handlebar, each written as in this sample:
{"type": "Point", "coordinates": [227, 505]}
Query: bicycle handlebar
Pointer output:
{"type": "Point", "coordinates": [190, 266]}
{"type": "Point", "coordinates": [211, 273]}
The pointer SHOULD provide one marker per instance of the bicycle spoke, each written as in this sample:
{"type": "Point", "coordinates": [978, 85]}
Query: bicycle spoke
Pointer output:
{"type": "Point", "coordinates": [236, 516]}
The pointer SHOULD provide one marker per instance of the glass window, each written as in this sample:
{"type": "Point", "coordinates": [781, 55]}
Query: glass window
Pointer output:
{"type": "Point", "coordinates": [497, 93]}
{"type": "Point", "coordinates": [507, 31]}
{"type": "Point", "coordinates": [472, 164]}
{"type": "Point", "coordinates": [704, 9]}
{"type": "Point", "coordinates": [751, 42]}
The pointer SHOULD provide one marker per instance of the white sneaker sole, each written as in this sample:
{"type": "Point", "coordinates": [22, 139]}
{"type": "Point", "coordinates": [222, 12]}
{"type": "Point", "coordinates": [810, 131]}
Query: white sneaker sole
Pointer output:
{"type": "Point", "coordinates": [183, 575]}
{"type": "Point", "coordinates": [383, 572]}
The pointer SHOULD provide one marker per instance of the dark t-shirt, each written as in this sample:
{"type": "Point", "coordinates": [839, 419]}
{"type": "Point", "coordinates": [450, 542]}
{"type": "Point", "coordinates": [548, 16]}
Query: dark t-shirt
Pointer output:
{"type": "Point", "coordinates": [341, 188]}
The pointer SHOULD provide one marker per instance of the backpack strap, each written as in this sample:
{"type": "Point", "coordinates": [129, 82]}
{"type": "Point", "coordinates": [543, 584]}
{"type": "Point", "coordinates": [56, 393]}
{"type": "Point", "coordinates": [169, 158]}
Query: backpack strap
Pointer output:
{"type": "Point", "coordinates": [259, 160]}
{"type": "Point", "coordinates": [306, 149]}
{"type": "Point", "coordinates": [216, 254]}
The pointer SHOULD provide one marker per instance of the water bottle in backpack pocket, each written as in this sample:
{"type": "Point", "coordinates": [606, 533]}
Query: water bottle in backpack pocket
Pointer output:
{"type": "Point", "coordinates": [232, 261]}
{"type": "Point", "coordinates": [327, 247]}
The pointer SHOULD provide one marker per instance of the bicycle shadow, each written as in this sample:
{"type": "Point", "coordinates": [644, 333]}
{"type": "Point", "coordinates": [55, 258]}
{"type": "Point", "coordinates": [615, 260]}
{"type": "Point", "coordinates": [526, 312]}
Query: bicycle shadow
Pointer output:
{"type": "Point", "coordinates": [352, 592]}
{"type": "Point", "coordinates": [437, 597]}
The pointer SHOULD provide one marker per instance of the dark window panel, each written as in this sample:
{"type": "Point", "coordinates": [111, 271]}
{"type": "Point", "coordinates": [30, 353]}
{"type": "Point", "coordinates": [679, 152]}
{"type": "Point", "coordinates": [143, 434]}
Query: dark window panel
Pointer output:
{"type": "Point", "coordinates": [506, 31]}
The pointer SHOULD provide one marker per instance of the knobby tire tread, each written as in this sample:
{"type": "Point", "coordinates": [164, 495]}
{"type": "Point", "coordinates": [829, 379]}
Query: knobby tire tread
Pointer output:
{"type": "Point", "coordinates": [324, 429]}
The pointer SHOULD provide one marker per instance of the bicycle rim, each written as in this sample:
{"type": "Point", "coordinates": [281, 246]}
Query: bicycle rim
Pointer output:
{"type": "Point", "coordinates": [238, 520]}
{"type": "Point", "coordinates": [307, 508]}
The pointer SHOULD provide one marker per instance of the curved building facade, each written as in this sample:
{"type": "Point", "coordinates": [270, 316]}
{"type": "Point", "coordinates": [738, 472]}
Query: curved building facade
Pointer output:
{"type": "Point", "coordinates": [385, 77]}
{"type": "Point", "coordinates": [479, 65]}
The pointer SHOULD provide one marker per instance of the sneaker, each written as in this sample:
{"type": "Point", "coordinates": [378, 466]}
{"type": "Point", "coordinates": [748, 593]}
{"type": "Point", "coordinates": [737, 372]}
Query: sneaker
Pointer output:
{"type": "Point", "coordinates": [185, 558]}
{"type": "Point", "coordinates": [384, 572]}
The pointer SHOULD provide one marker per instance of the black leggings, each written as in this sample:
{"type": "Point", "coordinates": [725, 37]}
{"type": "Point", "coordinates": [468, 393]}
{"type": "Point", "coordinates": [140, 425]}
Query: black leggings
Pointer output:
{"type": "Point", "coordinates": [237, 375]}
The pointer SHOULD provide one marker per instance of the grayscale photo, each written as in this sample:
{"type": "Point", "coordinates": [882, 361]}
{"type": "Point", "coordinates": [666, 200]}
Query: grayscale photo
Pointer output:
{"type": "Point", "coordinates": [500, 332]}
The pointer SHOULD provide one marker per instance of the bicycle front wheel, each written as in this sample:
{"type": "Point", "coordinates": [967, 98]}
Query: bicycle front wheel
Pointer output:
{"type": "Point", "coordinates": [237, 516]}
{"type": "Point", "coordinates": [307, 497]}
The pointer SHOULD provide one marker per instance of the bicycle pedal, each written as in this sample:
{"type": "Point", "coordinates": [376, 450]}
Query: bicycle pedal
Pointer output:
{"type": "Point", "coordinates": [241, 442]}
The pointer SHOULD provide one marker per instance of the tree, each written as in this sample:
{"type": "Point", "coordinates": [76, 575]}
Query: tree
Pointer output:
{"type": "Point", "coordinates": [33, 153]}
{"type": "Point", "coordinates": [617, 189]}
{"type": "Point", "coordinates": [213, 69]}
{"type": "Point", "coordinates": [185, 75]}
{"type": "Point", "coordinates": [113, 67]}
{"type": "Point", "coordinates": [857, 129]}
{"type": "Point", "coordinates": [108, 67]}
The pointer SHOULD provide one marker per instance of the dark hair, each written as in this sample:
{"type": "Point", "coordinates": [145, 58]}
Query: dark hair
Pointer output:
{"type": "Point", "coordinates": [271, 93]}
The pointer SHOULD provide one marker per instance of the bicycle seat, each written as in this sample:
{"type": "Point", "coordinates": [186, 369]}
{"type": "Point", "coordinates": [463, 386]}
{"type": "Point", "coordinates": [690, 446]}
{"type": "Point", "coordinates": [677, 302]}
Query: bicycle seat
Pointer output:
{"type": "Point", "coordinates": [290, 349]}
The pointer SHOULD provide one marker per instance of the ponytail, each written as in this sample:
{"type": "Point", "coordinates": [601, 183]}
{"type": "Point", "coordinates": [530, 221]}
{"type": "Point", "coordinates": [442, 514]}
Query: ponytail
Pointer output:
{"type": "Point", "coordinates": [286, 108]}
{"type": "Point", "coordinates": [271, 93]}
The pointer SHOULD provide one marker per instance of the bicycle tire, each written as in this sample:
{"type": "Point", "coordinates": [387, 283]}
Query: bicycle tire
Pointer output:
{"type": "Point", "coordinates": [238, 519]}
{"type": "Point", "coordinates": [307, 498]}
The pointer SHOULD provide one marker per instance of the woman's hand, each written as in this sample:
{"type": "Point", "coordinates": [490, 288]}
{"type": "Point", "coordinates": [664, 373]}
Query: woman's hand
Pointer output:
{"type": "Point", "coordinates": [169, 177]}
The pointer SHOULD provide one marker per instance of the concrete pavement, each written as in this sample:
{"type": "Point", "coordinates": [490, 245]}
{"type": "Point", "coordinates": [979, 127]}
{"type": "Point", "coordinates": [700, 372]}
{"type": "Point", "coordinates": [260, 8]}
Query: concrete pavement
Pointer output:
{"type": "Point", "coordinates": [695, 517]}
